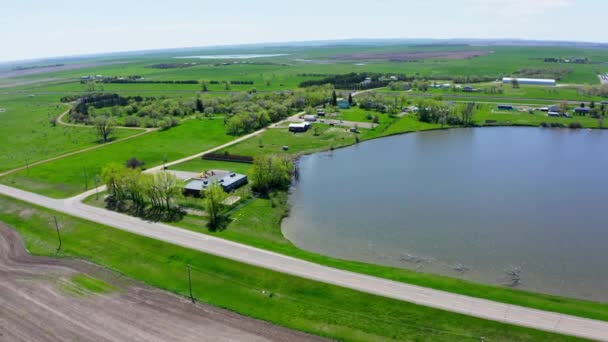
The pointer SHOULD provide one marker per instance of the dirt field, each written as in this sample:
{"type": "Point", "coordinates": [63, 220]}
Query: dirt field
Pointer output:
{"type": "Point", "coordinates": [35, 306]}
{"type": "Point", "coordinates": [411, 56]}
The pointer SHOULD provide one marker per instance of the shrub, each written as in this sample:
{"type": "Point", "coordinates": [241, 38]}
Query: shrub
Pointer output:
{"type": "Point", "coordinates": [131, 121]}
{"type": "Point", "coordinates": [575, 125]}
{"type": "Point", "coordinates": [544, 124]}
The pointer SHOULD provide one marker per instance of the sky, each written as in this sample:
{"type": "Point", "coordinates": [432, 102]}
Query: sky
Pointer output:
{"type": "Point", "coordinates": [40, 28]}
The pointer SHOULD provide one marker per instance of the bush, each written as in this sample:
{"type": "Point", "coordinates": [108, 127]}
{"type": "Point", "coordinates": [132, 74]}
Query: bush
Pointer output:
{"type": "Point", "coordinates": [131, 121]}
{"type": "Point", "coordinates": [557, 125]}
{"type": "Point", "coordinates": [544, 124]}
{"type": "Point", "coordinates": [575, 125]}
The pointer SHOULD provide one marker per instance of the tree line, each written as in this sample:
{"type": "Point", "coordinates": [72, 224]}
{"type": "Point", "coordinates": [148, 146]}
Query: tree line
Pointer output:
{"type": "Point", "coordinates": [355, 80]}
{"type": "Point", "coordinates": [152, 196]}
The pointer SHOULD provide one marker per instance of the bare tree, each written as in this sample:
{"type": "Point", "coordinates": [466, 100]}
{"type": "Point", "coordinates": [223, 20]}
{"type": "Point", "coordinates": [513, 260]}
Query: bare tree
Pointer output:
{"type": "Point", "coordinates": [105, 127]}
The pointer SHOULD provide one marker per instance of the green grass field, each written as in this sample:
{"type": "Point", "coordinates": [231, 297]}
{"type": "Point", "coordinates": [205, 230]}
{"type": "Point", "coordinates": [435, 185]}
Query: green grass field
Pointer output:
{"type": "Point", "coordinates": [273, 140]}
{"type": "Point", "coordinates": [27, 136]}
{"type": "Point", "coordinates": [293, 302]}
{"type": "Point", "coordinates": [66, 177]}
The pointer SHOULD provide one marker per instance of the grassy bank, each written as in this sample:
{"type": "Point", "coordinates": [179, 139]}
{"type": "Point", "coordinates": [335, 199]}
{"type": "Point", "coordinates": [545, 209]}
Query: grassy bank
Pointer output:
{"type": "Point", "coordinates": [293, 302]}
{"type": "Point", "coordinates": [27, 135]}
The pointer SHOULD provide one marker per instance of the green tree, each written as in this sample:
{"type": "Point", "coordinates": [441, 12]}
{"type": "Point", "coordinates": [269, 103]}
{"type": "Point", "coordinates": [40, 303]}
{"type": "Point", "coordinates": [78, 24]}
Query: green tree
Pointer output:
{"type": "Point", "coordinates": [334, 98]}
{"type": "Point", "coordinates": [271, 173]}
{"type": "Point", "coordinates": [112, 175]}
{"type": "Point", "coordinates": [467, 113]}
{"type": "Point", "coordinates": [167, 189]}
{"type": "Point", "coordinates": [515, 83]}
{"type": "Point", "coordinates": [104, 126]}
{"type": "Point", "coordinates": [350, 99]}
{"type": "Point", "coordinates": [214, 195]}
{"type": "Point", "coordinates": [200, 107]}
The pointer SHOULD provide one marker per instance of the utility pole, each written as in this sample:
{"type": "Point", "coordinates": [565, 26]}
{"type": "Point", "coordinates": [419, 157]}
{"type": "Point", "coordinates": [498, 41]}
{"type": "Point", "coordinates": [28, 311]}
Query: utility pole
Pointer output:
{"type": "Point", "coordinates": [190, 283]}
{"type": "Point", "coordinates": [58, 234]}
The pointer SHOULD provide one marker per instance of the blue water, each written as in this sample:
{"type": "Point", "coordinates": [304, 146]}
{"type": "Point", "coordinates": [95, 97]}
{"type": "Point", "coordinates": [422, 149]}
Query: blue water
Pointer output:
{"type": "Point", "coordinates": [480, 204]}
{"type": "Point", "coordinates": [236, 56]}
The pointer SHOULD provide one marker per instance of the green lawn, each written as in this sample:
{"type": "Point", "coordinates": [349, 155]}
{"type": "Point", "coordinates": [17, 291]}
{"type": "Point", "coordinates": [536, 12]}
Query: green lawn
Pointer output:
{"type": "Point", "coordinates": [66, 177]}
{"type": "Point", "coordinates": [200, 165]}
{"type": "Point", "coordinates": [360, 115]}
{"type": "Point", "coordinates": [26, 135]}
{"type": "Point", "coordinates": [514, 117]}
{"type": "Point", "coordinates": [286, 300]}
{"type": "Point", "coordinates": [273, 140]}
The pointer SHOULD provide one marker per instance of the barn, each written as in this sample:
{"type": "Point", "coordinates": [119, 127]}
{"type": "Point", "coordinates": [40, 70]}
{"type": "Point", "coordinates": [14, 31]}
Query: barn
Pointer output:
{"type": "Point", "coordinates": [530, 81]}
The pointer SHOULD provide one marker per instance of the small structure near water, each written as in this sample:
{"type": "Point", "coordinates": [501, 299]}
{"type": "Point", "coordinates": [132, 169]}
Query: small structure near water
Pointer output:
{"type": "Point", "coordinates": [228, 180]}
{"type": "Point", "coordinates": [299, 127]}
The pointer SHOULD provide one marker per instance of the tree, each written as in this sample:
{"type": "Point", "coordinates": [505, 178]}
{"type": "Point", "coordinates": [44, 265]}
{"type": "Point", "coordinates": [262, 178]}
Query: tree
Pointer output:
{"type": "Point", "coordinates": [582, 104]}
{"type": "Point", "coordinates": [200, 107]}
{"type": "Point", "coordinates": [467, 113]}
{"type": "Point", "coordinates": [204, 86]}
{"type": "Point", "coordinates": [112, 175]}
{"type": "Point", "coordinates": [214, 196]}
{"type": "Point", "coordinates": [165, 185]}
{"type": "Point", "coordinates": [515, 83]}
{"type": "Point", "coordinates": [105, 127]}
{"type": "Point", "coordinates": [334, 98]}
{"type": "Point", "coordinates": [350, 99]}
{"type": "Point", "coordinates": [271, 173]}
{"type": "Point", "coordinates": [592, 104]}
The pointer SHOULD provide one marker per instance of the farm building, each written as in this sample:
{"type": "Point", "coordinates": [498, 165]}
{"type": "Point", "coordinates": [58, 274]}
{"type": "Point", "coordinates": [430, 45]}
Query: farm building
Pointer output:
{"type": "Point", "coordinates": [505, 107]}
{"type": "Point", "coordinates": [310, 118]}
{"type": "Point", "coordinates": [228, 180]}
{"type": "Point", "coordinates": [343, 104]}
{"type": "Point", "coordinates": [299, 127]}
{"type": "Point", "coordinates": [530, 81]}
{"type": "Point", "coordinates": [553, 113]}
{"type": "Point", "coordinates": [582, 110]}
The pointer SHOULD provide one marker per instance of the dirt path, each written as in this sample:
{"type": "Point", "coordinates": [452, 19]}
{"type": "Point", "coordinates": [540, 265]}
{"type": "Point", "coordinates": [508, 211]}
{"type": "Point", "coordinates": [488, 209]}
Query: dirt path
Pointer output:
{"type": "Point", "coordinates": [34, 307]}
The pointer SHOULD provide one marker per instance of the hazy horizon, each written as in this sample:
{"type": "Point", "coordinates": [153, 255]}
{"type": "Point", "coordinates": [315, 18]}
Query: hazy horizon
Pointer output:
{"type": "Point", "coordinates": [65, 28]}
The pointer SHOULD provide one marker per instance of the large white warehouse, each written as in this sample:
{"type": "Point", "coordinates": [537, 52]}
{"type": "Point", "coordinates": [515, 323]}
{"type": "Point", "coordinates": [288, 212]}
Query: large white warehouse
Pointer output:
{"type": "Point", "coordinates": [536, 81]}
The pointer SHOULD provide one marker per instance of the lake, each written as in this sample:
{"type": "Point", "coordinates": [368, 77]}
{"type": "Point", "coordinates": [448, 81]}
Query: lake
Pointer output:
{"type": "Point", "coordinates": [237, 56]}
{"type": "Point", "coordinates": [522, 207]}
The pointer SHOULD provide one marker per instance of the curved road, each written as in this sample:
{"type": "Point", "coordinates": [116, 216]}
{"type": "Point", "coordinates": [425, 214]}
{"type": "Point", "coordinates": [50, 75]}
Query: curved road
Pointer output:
{"type": "Point", "coordinates": [512, 314]}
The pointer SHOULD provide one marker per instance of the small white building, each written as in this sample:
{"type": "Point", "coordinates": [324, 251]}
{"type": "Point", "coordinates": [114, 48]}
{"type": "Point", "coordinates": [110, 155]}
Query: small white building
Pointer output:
{"type": "Point", "coordinates": [310, 118]}
{"type": "Point", "coordinates": [530, 81]}
{"type": "Point", "coordinates": [299, 127]}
